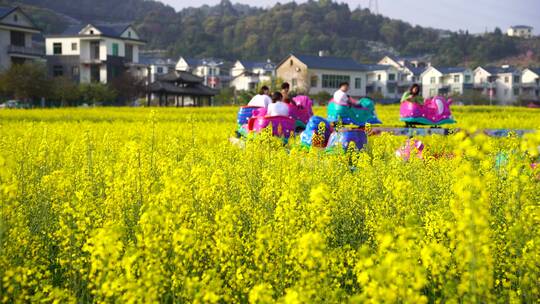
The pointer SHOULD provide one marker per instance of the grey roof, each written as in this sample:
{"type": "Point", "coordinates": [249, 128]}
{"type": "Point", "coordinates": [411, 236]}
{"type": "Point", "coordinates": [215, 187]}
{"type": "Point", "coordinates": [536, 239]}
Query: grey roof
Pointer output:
{"type": "Point", "coordinates": [108, 30]}
{"type": "Point", "coordinates": [535, 70]}
{"type": "Point", "coordinates": [251, 65]}
{"type": "Point", "coordinates": [451, 70]}
{"type": "Point", "coordinates": [193, 62]}
{"type": "Point", "coordinates": [521, 27]}
{"type": "Point", "coordinates": [4, 11]}
{"type": "Point", "coordinates": [330, 63]}
{"type": "Point", "coordinates": [500, 70]}
{"type": "Point", "coordinates": [180, 76]}
{"type": "Point", "coordinates": [114, 30]}
{"type": "Point", "coordinates": [417, 71]}
{"type": "Point", "coordinates": [374, 67]}
{"type": "Point", "coordinates": [147, 60]}
{"type": "Point", "coordinates": [197, 89]}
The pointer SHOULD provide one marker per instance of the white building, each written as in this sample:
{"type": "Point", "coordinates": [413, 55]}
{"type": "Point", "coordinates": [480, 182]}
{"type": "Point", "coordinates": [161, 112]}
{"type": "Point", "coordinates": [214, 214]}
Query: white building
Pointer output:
{"type": "Point", "coordinates": [210, 69]}
{"type": "Point", "coordinates": [530, 83]}
{"type": "Point", "coordinates": [246, 75]}
{"type": "Point", "coordinates": [409, 70]}
{"type": "Point", "coordinates": [499, 83]}
{"type": "Point", "coordinates": [314, 74]}
{"type": "Point", "coordinates": [446, 81]}
{"type": "Point", "coordinates": [94, 53]}
{"type": "Point", "coordinates": [156, 66]}
{"type": "Point", "coordinates": [16, 31]}
{"type": "Point", "coordinates": [382, 80]}
{"type": "Point", "coordinates": [522, 31]}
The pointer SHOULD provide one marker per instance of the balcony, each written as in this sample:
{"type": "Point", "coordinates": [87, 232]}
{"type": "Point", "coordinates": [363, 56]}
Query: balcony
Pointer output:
{"type": "Point", "coordinates": [25, 51]}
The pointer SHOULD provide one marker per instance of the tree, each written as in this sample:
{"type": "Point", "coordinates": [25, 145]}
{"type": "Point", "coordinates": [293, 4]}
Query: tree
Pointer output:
{"type": "Point", "coordinates": [225, 97]}
{"type": "Point", "coordinates": [65, 91]}
{"type": "Point", "coordinates": [128, 88]}
{"type": "Point", "coordinates": [27, 82]}
{"type": "Point", "coordinates": [97, 94]}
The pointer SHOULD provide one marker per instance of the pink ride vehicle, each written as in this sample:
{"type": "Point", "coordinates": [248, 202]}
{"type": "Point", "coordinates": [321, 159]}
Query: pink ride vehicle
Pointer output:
{"type": "Point", "coordinates": [434, 112]}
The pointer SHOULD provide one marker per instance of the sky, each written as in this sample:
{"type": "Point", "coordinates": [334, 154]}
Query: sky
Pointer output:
{"type": "Point", "coordinates": [473, 15]}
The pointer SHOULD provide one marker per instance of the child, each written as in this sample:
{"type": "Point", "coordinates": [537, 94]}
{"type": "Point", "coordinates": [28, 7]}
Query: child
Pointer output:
{"type": "Point", "coordinates": [278, 107]}
{"type": "Point", "coordinates": [340, 96]}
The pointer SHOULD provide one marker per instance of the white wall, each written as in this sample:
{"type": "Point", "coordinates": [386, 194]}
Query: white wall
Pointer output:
{"type": "Point", "coordinates": [529, 76]}
{"type": "Point", "coordinates": [66, 46]}
{"type": "Point", "coordinates": [21, 20]}
{"type": "Point", "coordinates": [353, 91]}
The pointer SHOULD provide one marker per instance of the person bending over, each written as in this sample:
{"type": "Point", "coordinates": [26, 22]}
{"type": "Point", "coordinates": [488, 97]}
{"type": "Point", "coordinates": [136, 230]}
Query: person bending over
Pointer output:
{"type": "Point", "coordinates": [278, 107]}
{"type": "Point", "coordinates": [261, 100]}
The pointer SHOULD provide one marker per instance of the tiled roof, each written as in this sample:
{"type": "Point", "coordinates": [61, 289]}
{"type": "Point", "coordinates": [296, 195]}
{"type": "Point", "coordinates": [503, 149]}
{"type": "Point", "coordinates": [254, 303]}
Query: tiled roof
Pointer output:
{"type": "Point", "coordinates": [374, 67]}
{"type": "Point", "coordinates": [500, 70]}
{"type": "Point", "coordinates": [4, 11]}
{"type": "Point", "coordinates": [521, 27]}
{"type": "Point", "coordinates": [110, 30]}
{"type": "Point", "coordinates": [450, 70]}
{"type": "Point", "coordinates": [535, 70]}
{"type": "Point", "coordinates": [417, 71]}
{"type": "Point", "coordinates": [251, 65]}
{"type": "Point", "coordinates": [330, 63]}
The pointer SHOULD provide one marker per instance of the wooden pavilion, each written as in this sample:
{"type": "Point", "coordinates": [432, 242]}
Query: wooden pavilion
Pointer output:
{"type": "Point", "coordinates": [181, 88]}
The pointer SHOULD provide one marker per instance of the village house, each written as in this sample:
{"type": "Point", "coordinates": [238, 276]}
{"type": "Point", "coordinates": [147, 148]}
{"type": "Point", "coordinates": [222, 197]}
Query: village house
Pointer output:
{"type": "Point", "coordinates": [382, 80]}
{"type": "Point", "coordinates": [521, 31]}
{"type": "Point", "coordinates": [409, 70]}
{"type": "Point", "coordinates": [94, 53]}
{"type": "Point", "coordinates": [156, 66]}
{"type": "Point", "coordinates": [16, 43]}
{"type": "Point", "coordinates": [499, 83]}
{"type": "Point", "coordinates": [211, 70]}
{"type": "Point", "coordinates": [246, 75]}
{"type": "Point", "coordinates": [314, 74]}
{"type": "Point", "coordinates": [530, 84]}
{"type": "Point", "coordinates": [446, 81]}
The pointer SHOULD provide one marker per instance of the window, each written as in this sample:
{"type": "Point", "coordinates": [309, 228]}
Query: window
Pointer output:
{"type": "Point", "coordinates": [379, 77]}
{"type": "Point", "coordinates": [516, 91]}
{"type": "Point", "coordinates": [456, 78]}
{"type": "Point", "coordinates": [291, 62]}
{"type": "Point", "coordinates": [391, 77]}
{"type": "Point", "coordinates": [467, 78]}
{"type": "Point", "coordinates": [129, 53]}
{"type": "Point", "coordinates": [16, 18]}
{"type": "Point", "coordinates": [75, 71]}
{"type": "Point", "coordinates": [57, 48]}
{"type": "Point", "coordinates": [517, 79]}
{"type": "Point", "coordinates": [58, 71]}
{"type": "Point", "coordinates": [433, 80]}
{"type": "Point", "coordinates": [74, 46]}
{"type": "Point", "coordinates": [506, 79]}
{"type": "Point", "coordinates": [358, 83]}
{"type": "Point", "coordinates": [314, 81]}
{"type": "Point", "coordinates": [91, 32]}
{"type": "Point", "coordinates": [391, 90]}
{"type": "Point", "coordinates": [17, 38]}
{"type": "Point", "coordinates": [333, 81]}
{"type": "Point", "coordinates": [129, 34]}
{"type": "Point", "coordinates": [115, 49]}
{"type": "Point", "coordinates": [160, 70]}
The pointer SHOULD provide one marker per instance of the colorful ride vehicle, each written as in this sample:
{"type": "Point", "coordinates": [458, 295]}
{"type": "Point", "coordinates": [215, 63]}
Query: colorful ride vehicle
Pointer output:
{"type": "Point", "coordinates": [434, 112]}
{"type": "Point", "coordinates": [317, 133]}
{"type": "Point", "coordinates": [358, 112]}
{"type": "Point", "coordinates": [345, 137]}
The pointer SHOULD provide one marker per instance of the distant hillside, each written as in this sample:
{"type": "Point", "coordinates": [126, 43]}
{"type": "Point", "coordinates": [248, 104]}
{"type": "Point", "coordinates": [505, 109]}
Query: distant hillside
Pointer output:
{"type": "Point", "coordinates": [233, 31]}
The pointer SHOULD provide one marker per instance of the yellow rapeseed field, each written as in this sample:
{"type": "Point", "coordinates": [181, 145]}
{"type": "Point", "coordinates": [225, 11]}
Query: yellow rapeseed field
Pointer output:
{"type": "Point", "coordinates": [156, 206]}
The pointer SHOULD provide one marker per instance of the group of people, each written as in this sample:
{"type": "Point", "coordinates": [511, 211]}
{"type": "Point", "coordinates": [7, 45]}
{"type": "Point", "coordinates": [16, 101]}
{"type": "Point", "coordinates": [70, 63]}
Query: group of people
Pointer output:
{"type": "Point", "coordinates": [279, 103]}
{"type": "Point", "coordinates": [276, 104]}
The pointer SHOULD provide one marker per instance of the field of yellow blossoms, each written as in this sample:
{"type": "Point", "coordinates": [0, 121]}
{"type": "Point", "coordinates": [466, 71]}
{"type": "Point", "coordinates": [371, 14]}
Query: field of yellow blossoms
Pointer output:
{"type": "Point", "coordinates": [156, 206]}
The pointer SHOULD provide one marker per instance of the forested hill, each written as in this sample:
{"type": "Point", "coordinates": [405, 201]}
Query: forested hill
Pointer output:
{"type": "Point", "coordinates": [233, 31]}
